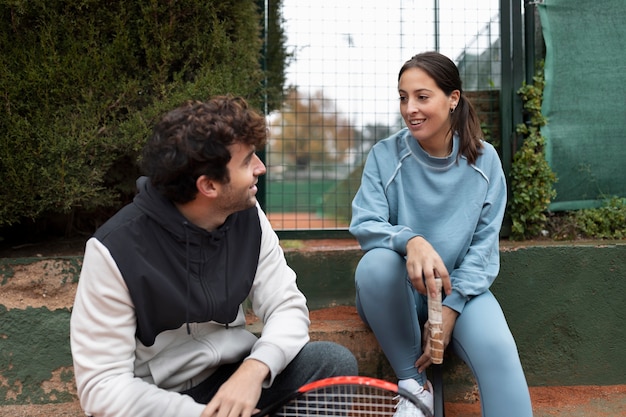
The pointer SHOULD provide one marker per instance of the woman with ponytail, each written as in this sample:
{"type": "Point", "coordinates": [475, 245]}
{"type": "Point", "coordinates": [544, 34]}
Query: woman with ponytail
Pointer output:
{"type": "Point", "coordinates": [431, 204]}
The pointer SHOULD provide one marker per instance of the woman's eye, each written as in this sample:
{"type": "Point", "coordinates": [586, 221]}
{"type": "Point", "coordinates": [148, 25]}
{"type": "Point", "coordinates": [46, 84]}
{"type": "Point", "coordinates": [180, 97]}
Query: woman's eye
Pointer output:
{"type": "Point", "coordinates": [402, 98]}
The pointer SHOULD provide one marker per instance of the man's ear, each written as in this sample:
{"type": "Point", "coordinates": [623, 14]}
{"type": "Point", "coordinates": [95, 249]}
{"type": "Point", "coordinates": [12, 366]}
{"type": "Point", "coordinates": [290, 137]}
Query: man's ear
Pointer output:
{"type": "Point", "coordinates": [206, 186]}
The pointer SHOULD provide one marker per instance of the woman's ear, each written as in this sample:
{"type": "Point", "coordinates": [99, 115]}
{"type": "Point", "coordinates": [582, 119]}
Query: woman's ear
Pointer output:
{"type": "Point", "coordinates": [454, 98]}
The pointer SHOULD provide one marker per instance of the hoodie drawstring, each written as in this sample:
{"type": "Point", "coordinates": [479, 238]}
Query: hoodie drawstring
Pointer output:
{"type": "Point", "coordinates": [188, 278]}
{"type": "Point", "coordinates": [225, 235]}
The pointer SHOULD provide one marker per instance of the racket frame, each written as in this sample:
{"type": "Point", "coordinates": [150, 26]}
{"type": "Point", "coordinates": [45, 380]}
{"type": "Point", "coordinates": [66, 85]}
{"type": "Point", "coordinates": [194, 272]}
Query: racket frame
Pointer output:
{"type": "Point", "coordinates": [338, 381]}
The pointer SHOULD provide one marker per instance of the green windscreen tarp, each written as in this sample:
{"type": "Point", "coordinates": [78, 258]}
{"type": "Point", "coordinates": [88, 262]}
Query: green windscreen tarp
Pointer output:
{"type": "Point", "coordinates": [585, 99]}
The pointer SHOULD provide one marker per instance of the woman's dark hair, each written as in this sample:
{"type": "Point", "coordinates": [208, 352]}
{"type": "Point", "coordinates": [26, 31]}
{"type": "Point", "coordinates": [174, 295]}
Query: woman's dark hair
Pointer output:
{"type": "Point", "coordinates": [193, 140]}
{"type": "Point", "coordinates": [464, 119]}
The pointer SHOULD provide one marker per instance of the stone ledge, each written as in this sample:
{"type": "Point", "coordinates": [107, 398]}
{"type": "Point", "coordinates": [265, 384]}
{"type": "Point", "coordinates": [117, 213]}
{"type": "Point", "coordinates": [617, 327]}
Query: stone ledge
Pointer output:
{"type": "Point", "coordinates": [564, 303]}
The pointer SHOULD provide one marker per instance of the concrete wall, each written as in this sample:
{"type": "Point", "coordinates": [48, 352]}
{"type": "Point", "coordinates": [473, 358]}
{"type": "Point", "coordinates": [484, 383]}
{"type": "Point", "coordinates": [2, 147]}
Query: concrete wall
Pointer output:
{"type": "Point", "coordinates": [565, 304]}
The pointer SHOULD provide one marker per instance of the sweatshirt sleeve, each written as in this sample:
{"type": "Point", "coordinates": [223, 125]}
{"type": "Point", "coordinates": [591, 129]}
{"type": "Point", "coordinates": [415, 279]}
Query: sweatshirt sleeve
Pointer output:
{"type": "Point", "coordinates": [371, 215]}
{"type": "Point", "coordinates": [279, 304]}
{"type": "Point", "coordinates": [481, 265]}
{"type": "Point", "coordinates": [102, 336]}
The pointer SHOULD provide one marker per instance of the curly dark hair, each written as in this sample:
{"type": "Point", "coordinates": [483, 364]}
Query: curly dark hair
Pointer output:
{"type": "Point", "coordinates": [464, 120]}
{"type": "Point", "coordinates": [193, 140]}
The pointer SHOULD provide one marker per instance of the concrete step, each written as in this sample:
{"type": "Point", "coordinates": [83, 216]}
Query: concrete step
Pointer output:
{"type": "Point", "coordinates": [564, 303]}
{"type": "Point", "coordinates": [341, 324]}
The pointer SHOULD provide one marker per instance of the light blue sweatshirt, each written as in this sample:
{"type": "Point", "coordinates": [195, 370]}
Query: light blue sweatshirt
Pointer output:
{"type": "Point", "coordinates": [455, 206]}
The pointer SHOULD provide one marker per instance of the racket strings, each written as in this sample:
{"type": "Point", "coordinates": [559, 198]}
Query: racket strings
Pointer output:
{"type": "Point", "coordinates": [344, 401]}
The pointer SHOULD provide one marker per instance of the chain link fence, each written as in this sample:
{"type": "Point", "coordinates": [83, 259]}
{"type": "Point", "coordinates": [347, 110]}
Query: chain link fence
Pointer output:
{"type": "Point", "coordinates": [341, 95]}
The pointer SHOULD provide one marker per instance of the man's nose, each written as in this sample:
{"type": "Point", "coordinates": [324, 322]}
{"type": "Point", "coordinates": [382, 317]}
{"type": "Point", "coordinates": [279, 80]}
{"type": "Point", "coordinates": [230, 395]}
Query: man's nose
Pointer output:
{"type": "Point", "coordinates": [260, 168]}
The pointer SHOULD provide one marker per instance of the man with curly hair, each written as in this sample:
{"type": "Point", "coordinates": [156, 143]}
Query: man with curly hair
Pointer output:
{"type": "Point", "coordinates": [158, 327]}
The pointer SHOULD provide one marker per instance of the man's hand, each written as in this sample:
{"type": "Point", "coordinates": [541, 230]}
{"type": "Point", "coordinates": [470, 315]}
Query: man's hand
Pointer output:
{"type": "Point", "coordinates": [239, 395]}
{"type": "Point", "coordinates": [449, 320]}
{"type": "Point", "coordinates": [423, 263]}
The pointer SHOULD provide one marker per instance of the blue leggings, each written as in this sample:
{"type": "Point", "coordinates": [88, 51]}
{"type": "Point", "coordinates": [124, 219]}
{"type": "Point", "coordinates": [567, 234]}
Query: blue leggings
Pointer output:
{"type": "Point", "coordinates": [393, 309]}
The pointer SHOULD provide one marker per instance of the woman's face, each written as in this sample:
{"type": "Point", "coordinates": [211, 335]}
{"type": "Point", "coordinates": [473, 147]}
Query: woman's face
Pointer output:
{"type": "Point", "coordinates": [425, 108]}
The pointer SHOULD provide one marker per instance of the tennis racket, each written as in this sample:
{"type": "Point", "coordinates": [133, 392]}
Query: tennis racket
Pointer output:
{"type": "Point", "coordinates": [343, 396]}
{"type": "Point", "coordinates": [435, 322]}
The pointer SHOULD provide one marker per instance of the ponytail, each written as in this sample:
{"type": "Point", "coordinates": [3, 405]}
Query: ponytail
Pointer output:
{"type": "Point", "coordinates": [464, 121]}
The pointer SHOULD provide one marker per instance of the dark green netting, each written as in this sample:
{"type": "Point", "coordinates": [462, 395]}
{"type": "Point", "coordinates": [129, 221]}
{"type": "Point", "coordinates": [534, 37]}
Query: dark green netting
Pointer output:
{"type": "Point", "coordinates": [585, 99]}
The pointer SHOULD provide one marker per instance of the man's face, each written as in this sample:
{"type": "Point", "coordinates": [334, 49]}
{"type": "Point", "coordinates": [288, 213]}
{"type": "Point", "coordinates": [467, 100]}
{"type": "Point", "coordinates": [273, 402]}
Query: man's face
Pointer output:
{"type": "Point", "coordinates": [244, 170]}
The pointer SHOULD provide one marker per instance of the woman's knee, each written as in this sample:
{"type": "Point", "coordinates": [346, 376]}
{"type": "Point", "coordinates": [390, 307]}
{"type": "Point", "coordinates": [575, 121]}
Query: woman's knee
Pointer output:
{"type": "Point", "coordinates": [482, 333]}
{"type": "Point", "coordinates": [379, 266]}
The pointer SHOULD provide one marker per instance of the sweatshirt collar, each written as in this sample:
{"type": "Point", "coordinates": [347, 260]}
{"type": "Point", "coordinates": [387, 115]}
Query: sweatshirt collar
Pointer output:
{"type": "Point", "coordinates": [426, 158]}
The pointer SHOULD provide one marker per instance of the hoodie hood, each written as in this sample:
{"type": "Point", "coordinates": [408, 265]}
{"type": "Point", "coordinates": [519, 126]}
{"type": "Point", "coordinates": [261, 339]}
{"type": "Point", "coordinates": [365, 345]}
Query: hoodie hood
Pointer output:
{"type": "Point", "coordinates": [165, 213]}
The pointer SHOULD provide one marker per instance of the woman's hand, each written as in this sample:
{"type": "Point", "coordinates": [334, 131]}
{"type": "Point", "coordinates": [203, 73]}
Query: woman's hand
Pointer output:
{"type": "Point", "coordinates": [449, 320]}
{"type": "Point", "coordinates": [423, 264]}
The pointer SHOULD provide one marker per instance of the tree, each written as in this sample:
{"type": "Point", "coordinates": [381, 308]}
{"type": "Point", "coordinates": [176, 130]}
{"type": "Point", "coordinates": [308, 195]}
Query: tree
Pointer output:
{"type": "Point", "coordinates": [309, 130]}
{"type": "Point", "coordinates": [83, 82]}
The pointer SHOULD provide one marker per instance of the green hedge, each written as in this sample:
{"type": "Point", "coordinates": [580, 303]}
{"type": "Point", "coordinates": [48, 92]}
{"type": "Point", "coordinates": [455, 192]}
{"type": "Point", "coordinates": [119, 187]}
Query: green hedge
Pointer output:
{"type": "Point", "coordinates": [81, 83]}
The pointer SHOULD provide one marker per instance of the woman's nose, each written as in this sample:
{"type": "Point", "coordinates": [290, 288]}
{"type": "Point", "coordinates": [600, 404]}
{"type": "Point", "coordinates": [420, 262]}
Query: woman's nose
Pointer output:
{"type": "Point", "coordinates": [413, 106]}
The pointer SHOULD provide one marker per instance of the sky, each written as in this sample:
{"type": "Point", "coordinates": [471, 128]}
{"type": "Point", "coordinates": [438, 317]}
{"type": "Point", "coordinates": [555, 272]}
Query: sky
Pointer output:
{"type": "Point", "coordinates": [352, 51]}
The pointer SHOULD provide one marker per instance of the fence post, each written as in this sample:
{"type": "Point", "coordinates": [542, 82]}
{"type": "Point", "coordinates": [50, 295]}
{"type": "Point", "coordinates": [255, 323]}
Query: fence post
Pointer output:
{"type": "Point", "coordinates": [511, 32]}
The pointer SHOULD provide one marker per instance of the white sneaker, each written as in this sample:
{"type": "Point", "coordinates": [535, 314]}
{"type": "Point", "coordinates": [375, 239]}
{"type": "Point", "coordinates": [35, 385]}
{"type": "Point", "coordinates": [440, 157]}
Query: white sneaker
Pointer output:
{"type": "Point", "coordinates": [405, 408]}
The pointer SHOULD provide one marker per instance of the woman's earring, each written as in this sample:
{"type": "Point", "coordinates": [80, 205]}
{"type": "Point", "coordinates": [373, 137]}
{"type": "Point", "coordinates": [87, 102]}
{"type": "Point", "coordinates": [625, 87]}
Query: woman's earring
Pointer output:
{"type": "Point", "coordinates": [452, 110]}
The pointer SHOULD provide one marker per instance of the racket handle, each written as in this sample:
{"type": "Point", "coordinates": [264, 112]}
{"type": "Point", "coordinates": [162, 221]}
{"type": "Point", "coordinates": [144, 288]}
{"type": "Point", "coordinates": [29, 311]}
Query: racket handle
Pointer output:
{"type": "Point", "coordinates": [435, 321]}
